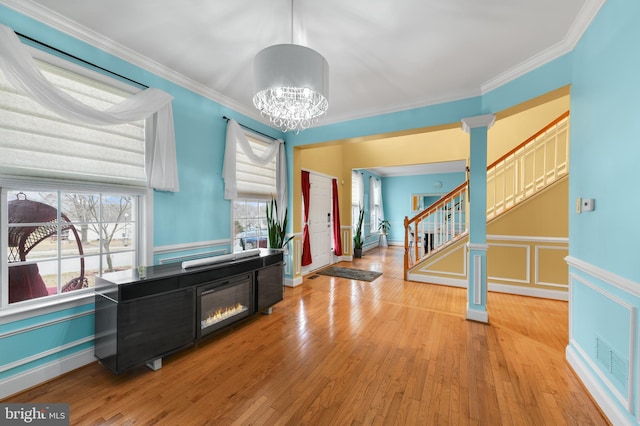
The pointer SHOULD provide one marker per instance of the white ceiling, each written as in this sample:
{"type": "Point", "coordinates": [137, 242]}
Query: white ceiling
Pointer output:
{"type": "Point", "coordinates": [384, 55]}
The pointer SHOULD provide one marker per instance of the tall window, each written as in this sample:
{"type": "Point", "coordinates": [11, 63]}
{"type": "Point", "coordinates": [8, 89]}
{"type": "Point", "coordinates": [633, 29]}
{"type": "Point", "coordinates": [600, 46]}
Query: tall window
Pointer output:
{"type": "Point", "coordinates": [70, 193]}
{"type": "Point", "coordinates": [256, 186]}
{"type": "Point", "coordinates": [357, 196]}
{"type": "Point", "coordinates": [375, 200]}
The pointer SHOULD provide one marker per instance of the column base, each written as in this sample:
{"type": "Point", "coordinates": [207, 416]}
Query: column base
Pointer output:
{"type": "Point", "coordinates": [477, 315]}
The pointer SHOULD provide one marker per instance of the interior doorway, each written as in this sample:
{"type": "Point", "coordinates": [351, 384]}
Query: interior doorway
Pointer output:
{"type": "Point", "coordinates": [320, 221]}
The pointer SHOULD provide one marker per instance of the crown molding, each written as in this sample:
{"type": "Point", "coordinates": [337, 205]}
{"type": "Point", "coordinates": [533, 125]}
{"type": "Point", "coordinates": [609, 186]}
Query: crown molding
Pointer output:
{"type": "Point", "coordinates": [579, 26]}
{"type": "Point", "coordinates": [82, 33]}
{"type": "Point", "coordinates": [74, 29]}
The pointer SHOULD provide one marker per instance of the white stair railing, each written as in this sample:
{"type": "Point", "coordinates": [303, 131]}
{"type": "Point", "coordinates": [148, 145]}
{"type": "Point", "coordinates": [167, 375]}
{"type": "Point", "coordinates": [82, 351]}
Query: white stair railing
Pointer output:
{"type": "Point", "coordinates": [528, 168]}
{"type": "Point", "coordinates": [525, 170]}
{"type": "Point", "coordinates": [437, 226]}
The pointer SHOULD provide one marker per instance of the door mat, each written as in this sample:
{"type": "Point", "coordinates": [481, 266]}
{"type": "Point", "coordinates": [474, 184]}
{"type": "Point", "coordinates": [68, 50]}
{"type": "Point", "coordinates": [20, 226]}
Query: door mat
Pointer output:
{"type": "Point", "coordinates": [353, 274]}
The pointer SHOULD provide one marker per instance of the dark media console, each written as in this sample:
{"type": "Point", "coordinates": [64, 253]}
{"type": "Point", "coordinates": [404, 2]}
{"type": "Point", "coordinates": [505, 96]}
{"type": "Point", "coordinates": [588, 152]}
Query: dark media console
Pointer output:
{"type": "Point", "coordinates": [139, 320]}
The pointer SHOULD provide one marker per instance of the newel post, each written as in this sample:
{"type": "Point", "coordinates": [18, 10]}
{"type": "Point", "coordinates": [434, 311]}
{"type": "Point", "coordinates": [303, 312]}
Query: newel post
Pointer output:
{"type": "Point", "coordinates": [477, 127]}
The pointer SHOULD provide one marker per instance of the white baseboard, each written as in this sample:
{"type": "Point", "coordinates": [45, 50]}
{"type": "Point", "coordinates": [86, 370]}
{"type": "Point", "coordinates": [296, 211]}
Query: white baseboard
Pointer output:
{"type": "Point", "coordinates": [430, 279]}
{"type": "Point", "coordinates": [30, 378]}
{"type": "Point", "coordinates": [528, 291]}
{"type": "Point", "coordinates": [293, 282]}
{"type": "Point", "coordinates": [606, 403]}
{"type": "Point", "coordinates": [476, 315]}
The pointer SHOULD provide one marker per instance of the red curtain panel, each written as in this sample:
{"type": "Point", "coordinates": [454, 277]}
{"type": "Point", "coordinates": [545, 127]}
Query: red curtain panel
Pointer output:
{"type": "Point", "coordinates": [337, 241]}
{"type": "Point", "coordinates": [306, 245]}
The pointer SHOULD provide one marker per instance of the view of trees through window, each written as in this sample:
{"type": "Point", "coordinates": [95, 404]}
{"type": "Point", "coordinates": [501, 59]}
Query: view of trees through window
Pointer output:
{"type": "Point", "coordinates": [250, 224]}
{"type": "Point", "coordinates": [59, 241]}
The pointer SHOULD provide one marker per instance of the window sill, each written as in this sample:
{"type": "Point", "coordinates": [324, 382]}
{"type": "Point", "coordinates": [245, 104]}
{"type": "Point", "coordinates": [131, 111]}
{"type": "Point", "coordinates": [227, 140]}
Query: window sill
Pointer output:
{"type": "Point", "coordinates": [45, 305]}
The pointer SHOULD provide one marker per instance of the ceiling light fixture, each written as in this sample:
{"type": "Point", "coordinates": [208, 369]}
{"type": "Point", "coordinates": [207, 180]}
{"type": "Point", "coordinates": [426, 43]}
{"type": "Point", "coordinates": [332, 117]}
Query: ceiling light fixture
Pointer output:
{"type": "Point", "coordinates": [291, 85]}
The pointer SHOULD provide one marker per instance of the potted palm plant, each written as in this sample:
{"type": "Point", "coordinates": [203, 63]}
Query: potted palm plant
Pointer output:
{"type": "Point", "coordinates": [383, 225]}
{"type": "Point", "coordinates": [276, 229]}
{"type": "Point", "coordinates": [357, 236]}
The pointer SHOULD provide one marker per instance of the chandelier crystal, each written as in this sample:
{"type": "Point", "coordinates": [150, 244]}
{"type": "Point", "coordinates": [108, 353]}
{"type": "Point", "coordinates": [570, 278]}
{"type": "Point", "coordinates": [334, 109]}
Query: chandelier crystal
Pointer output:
{"type": "Point", "coordinates": [291, 86]}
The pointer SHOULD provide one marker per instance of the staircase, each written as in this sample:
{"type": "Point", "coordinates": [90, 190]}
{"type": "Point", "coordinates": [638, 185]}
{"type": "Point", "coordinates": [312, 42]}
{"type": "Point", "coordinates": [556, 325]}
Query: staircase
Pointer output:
{"type": "Point", "coordinates": [515, 177]}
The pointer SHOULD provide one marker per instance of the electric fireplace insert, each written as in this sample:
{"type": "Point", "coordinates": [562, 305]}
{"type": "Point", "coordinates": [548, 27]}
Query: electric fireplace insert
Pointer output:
{"type": "Point", "coordinates": [220, 304]}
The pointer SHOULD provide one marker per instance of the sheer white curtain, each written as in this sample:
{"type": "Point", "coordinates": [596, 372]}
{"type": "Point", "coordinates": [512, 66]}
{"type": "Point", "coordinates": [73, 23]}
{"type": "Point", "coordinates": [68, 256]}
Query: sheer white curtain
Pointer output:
{"type": "Point", "coordinates": [154, 105]}
{"type": "Point", "coordinates": [375, 201]}
{"type": "Point", "coordinates": [236, 138]}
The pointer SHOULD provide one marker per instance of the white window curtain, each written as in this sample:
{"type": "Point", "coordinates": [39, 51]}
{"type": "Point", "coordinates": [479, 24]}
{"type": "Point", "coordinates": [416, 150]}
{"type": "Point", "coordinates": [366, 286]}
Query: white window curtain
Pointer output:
{"type": "Point", "coordinates": [375, 201]}
{"type": "Point", "coordinates": [154, 105]}
{"type": "Point", "coordinates": [237, 138]}
{"type": "Point", "coordinates": [357, 193]}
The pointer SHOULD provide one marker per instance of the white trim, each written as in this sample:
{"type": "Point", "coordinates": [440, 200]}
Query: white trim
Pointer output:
{"type": "Point", "coordinates": [75, 30]}
{"type": "Point", "coordinates": [44, 354]}
{"type": "Point", "coordinates": [477, 315]}
{"type": "Point", "coordinates": [528, 238]}
{"type": "Point", "coordinates": [536, 279]}
{"type": "Point", "coordinates": [527, 280]}
{"type": "Point", "coordinates": [27, 379]}
{"type": "Point", "coordinates": [46, 305]}
{"type": "Point", "coordinates": [582, 22]}
{"type": "Point", "coordinates": [293, 282]}
{"type": "Point", "coordinates": [477, 246]}
{"type": "Point", "coordinates": [430, 279]}
{"type": "Point", "coordinates": [582, 355]}
{"type": "Point", "coordinates": [67, 26]}
{"type": "Point", "coordinates": [42, 325]}
{"type": "Point", "coordinates": [426, 267]}
{"type": "Point", "coordinates": [486, 120]}
{"type": "Point", "coordinates": [529, 291]}
{"type": "Point", "coordinates": [189, 246]}
{"type": "Point", "coordinates": [608, 406]}
{"type": "Point", "coordinates": [628, 401]}
{"type": "Point", "coordinates": [477, 279]}
{"type": "Point", "coordinates": [622, 283]}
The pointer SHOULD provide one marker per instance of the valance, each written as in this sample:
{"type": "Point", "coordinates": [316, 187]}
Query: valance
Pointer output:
{"type": "Point", "coordinates": [152, 104]}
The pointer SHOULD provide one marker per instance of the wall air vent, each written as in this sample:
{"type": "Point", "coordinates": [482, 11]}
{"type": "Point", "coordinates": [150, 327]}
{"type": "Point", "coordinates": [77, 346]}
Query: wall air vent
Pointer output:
{"type": "Point", "coordinates": [612, 363]}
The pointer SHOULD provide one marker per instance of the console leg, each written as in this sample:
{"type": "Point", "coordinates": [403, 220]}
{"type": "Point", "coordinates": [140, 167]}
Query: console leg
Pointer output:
{"type": "Point", "coordinates": [268, 311]}
{"type": "Point", "coordinates": [155, 365]}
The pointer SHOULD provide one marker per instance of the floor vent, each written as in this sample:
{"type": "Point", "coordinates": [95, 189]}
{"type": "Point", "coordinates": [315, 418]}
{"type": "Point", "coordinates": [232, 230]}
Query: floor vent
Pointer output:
{"type": "Point", "coordinates": [611, 362]}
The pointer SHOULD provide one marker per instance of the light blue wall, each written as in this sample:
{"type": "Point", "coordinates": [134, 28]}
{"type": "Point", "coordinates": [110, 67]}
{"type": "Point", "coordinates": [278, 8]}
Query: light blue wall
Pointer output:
{"type": "Point", "coordinates": [603, 253]}
{"type": "Point", "coordinates": [396, 195]}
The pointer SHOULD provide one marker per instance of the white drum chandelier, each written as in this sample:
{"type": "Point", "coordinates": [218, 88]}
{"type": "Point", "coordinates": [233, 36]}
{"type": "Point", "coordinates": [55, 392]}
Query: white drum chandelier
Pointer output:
{"type": "Point", "coordinates": [291, 85]}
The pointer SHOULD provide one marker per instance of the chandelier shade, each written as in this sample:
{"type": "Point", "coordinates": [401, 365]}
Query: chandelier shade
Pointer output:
{"type": "Point", "coordinates": [291, 85]}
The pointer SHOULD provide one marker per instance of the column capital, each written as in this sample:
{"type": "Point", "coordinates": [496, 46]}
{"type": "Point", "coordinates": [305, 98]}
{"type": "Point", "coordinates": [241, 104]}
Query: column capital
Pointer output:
{"type": "Point", "coordinates": [486, 120]}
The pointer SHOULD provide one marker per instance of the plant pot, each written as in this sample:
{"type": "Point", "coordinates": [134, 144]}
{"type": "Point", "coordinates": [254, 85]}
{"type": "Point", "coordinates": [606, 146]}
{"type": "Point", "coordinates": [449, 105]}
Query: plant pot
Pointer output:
{"type": "Point", "coordinates": [357, 252]}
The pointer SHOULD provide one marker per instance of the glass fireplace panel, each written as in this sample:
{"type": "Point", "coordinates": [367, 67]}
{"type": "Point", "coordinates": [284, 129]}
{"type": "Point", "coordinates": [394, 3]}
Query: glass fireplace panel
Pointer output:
{"type": "Point", "coordinates": [222, 303]}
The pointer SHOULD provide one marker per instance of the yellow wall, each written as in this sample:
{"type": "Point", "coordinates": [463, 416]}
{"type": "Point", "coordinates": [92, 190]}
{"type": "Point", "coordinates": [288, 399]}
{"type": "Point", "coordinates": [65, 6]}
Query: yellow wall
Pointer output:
{"type": "Point", "coordinates": [544, 215]}
{"type": "Point", "coordinates": [445, 143]}
{"type": "Point", "coordinates": [339, 159]}
{"type": "Point", "coordinates": [512, 130]}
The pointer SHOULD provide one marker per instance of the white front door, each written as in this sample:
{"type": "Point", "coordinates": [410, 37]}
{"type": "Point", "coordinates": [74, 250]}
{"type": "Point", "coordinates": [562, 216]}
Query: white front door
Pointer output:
{"type": "Point", "coordinates": [319, 221]}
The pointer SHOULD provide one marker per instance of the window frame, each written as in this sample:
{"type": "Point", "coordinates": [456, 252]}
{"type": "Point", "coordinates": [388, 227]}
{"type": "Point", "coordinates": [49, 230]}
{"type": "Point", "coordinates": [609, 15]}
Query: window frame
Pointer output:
{"type": "Point", "coordinates": [143, 253]}
{"type": "Point", "coordinates": [245, 197]}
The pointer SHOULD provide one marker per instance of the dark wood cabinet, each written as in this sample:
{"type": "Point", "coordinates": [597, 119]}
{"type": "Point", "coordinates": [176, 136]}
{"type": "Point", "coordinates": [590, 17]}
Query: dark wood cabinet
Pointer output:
{"type": "Point", "coordinates": [140, 320]}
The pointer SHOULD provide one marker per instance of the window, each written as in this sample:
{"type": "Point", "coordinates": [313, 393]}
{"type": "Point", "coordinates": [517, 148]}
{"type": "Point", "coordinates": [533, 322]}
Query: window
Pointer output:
{"type": "Point", "coordinates": [250, 224]}
{"type": "Point", "coordinates": [70, 193]}
{"type": "Point", "coordinates": [357, 196]}
{"type": "Point", "coordinates": [256, 186]}
{"type": "Point", "coordinates": [375, 209]}
{"type": "Point", "coordinates": [57, 241]}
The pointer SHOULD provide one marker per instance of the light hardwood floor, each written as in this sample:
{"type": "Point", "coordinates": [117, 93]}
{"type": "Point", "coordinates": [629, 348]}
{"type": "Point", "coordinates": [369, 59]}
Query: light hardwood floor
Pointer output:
{"type": "Point", "coordinates": [341, 352]}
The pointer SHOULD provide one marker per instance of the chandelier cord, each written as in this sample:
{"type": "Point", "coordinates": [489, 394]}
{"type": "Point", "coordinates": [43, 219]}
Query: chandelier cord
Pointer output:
{"type": "Point", "coordinates": [292, 22]}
